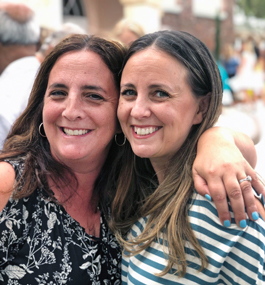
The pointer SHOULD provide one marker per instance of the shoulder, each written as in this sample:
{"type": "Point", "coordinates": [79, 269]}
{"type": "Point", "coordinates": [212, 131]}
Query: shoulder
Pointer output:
{"type": "Point", "coordinates": [137, 228]}
{"type": "Point", "coordinates": [261, 209]}
{"type": "Point", "coordinates": [7, 181]}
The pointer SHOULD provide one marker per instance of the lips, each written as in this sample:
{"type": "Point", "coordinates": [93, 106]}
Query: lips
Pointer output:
{"type": "Point", "coordinates": [71, 132]}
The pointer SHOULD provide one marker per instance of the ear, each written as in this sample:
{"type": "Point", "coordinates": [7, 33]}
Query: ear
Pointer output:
{"type": "Point", "coordinates": [202, 109]}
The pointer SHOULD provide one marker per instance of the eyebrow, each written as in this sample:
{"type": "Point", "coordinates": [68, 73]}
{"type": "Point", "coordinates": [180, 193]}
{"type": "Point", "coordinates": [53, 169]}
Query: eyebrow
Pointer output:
{"type": "Point", "coordinates": [85, 87]}
{"type": "Point", "coordinates": [152, 86]}
{"type": "Point", "coordinates": [158, 86]}
{"type": "Point", "coordinates": [128, 85]}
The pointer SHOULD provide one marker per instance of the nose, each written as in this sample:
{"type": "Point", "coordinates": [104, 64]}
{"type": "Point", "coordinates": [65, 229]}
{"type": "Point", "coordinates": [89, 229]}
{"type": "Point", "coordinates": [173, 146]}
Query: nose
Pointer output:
{"type": "Point", "coordinates": [141, 108]}
{"type": "Point", "coordinates": [73, 108]}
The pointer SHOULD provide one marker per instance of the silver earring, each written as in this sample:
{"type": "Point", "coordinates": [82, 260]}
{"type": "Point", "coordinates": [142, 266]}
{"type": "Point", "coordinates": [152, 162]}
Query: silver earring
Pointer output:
{"type": "Point", "coordinates": [124, 141]}
{"type": "Point", "coordinates": [40, 130]}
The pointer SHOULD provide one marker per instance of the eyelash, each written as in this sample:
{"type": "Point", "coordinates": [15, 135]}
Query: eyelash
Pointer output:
{"type": "Point", "coordinates": [127, 90]}
{"type": "Point", "coordinates": [57, 93]}
{"type": "Point", "coordinates": [164, 93]}
{"type": "Point", "coordinates": [95, 97]}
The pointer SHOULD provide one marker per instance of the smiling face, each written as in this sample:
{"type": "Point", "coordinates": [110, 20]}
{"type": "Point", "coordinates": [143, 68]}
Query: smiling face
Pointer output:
{"type": "Point", "coordinates": [157, 108]}
{"type": "Point", "coordinates": [80, 103]}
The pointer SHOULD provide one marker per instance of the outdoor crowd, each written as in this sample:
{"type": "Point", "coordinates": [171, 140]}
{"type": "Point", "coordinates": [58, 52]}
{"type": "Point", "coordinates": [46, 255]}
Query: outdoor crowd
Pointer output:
{"type": "Point", "coordinates": [112, 167]}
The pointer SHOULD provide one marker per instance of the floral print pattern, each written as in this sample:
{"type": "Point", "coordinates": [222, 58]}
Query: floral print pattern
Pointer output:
{"type": "Point", "coordinates": [40, 243]}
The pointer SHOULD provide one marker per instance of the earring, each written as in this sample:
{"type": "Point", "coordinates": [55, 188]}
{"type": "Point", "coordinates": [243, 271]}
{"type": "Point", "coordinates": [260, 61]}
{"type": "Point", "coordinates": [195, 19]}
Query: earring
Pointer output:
{"type": "Point", "coordinates": [40, 130]}
{"type": "Point", "coordinates": [124, 141]}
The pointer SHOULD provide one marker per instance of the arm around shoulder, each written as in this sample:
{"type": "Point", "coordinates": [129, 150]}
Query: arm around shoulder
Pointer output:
{"type": "Point", "coordinates": [7, 180]}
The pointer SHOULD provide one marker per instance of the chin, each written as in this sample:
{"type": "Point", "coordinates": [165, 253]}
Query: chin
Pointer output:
{"type": "Point", "coordinates": [143, 153]}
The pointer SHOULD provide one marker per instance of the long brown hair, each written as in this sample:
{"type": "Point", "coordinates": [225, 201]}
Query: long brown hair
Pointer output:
{"type": "Point", "coordinates": [24, 139]}
{"type": "Point", "coordinates": [138, 192]}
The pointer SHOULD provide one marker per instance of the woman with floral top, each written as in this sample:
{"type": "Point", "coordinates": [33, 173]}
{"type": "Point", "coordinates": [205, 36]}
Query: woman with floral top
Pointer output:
{"type": "Point", "coordinates": [53, 226]}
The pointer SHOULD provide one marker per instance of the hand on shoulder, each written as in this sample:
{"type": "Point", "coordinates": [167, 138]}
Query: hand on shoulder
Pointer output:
{"type": "Point", "coordinates": [7, 180]}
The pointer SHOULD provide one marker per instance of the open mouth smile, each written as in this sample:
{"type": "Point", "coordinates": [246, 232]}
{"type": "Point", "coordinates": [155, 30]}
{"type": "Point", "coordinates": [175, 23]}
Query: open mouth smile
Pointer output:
{"type": "Point", "coordinates": [71, 132]}
{"type": "Point", "coordinates": [145, 131]}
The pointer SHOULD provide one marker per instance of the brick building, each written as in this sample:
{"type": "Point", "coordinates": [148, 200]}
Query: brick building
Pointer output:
{"type": "Point", "coordinates": [198, 17]}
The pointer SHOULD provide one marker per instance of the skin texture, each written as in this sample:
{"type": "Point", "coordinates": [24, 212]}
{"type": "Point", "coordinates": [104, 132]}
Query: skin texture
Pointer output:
{"type": "Point", "coordinates": [84, 98]}
{"type": "Point", "coordinates": [142, 104]}
{"type": "Point", "coordinates": [80, 98]}
{"type": "Point", "coordinates": [156, 96]}
{"type": "Point", "coordinates": [236, 156]}
{"type": "Point", "coordinates": [6, 183]}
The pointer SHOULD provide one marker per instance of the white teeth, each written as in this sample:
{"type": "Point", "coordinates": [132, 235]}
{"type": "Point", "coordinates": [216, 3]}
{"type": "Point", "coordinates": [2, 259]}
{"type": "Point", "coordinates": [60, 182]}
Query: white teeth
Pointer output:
{"type": "Point", "coordinates": [145, 131]}
{"type": "Point", "coordinates": [75, 132]}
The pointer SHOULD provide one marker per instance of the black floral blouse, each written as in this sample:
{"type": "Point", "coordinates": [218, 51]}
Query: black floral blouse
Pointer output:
{"type": "Point", "coordinates": [40, 243]}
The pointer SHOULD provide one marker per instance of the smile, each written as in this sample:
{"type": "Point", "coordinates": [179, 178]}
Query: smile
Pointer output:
{"type": "Point", "coordinates": [70, 132]}
{"type": "Point", "coordinates": [145, 131]}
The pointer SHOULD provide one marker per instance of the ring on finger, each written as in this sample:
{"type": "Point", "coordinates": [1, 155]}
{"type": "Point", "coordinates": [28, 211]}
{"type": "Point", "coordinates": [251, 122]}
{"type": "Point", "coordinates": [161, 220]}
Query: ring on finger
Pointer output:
{"type": "Point", "coordinates": [248, 178]}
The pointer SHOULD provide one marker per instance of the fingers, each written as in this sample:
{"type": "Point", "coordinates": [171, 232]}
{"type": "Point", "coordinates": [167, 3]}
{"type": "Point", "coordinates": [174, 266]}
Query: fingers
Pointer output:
{"type": "Point", "coordinates": [237, 199]}
{"type": "Point", "coordinates": [249, 198]}
{"type": "Point", "coordinates": [218, 184]}
{"type": "Point", "coordinates": [241, 197]}
{"type": "Point", "coordinates": [201, 186]}
{"type": "Point", "coordinates": [214, 191]}
{"type": "Point", "coordinates": [257, 184]}
{"type": "Point", "coordinates": [247, 192]}
{"type": "Point", "coordinates": [219, 197]}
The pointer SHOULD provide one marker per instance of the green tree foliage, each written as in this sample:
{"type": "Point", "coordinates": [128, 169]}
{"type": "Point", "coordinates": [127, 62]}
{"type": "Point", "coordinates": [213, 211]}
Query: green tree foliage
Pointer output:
{"type": "Point", "coordinates": [252, 7]}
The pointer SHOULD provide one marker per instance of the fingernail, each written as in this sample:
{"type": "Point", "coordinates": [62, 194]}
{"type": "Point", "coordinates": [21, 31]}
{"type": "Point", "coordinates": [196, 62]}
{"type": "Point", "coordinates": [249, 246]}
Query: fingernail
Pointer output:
{"type": "Point", "coordinates": [243, 223]}
{"type": "Point", "coordinates": [255, 216]}
{"type": "Point", "coordinates": [208, 197]}
{"type": "Point", "coordinates": [227, 223]}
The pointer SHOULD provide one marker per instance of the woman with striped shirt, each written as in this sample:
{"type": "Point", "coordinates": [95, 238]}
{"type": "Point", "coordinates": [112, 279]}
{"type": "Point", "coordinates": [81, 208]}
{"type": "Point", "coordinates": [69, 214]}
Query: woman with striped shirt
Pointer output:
{"type": "Point", "coordinates": [171, 93]}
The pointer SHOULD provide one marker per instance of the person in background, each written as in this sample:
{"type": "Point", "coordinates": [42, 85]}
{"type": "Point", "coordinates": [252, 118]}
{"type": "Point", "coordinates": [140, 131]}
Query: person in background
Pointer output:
{"type": "Point", "coordinates": [19, 38]}
{"type": "Point", "coordinates": [230, 60]}
{"type": "Point", "coordinates": [247, 84]}
{"type": "Point", "coordinates": [228, 99]}
{"type": "Point", "coordinates": [171, 92]}
{"type": "Point", "coordinates": [126, 31]}
{"type": "Point", "coordinates": [55, 37]}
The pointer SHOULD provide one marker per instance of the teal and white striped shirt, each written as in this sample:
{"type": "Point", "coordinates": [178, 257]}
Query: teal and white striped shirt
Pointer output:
{"type": "Point", "coordinates": [235, 255]}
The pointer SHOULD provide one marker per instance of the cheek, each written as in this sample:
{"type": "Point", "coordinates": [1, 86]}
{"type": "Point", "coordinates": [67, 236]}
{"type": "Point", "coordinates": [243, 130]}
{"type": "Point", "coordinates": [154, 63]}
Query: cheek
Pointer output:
{"type": "Point", "coordinates": [108, 119]}
{"type": "Point", "coordinates": [49, 113]}
{"type": "Point", "coordinates": [121, 111]}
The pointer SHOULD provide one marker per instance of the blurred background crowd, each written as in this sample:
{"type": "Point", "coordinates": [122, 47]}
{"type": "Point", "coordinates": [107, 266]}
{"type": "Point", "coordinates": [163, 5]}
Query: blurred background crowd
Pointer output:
{"type": "Point", "coordinates": [234, 31]}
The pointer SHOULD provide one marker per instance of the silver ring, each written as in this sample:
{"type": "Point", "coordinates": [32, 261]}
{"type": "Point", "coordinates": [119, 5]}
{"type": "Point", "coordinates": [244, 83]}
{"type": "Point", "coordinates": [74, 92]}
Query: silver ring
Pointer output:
{"type": "Point", "coordinates": [248, 178]}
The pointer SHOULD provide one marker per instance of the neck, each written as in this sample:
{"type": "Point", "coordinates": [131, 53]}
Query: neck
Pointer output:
{"type": "Point", "coordinates": [81, 193]}
{"type": "Point", "coordinates": [82, 202]}
{"type": "Point", "coordinates": [10, 53]}
{"type": "Point", "coordinates": [159, 167]}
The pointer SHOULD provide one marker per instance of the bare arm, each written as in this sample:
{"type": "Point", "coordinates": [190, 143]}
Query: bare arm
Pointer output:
{"type": "Point", "coordinates": [224, 157]}
{"type": "Point", "coordinates": [7, 180]}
